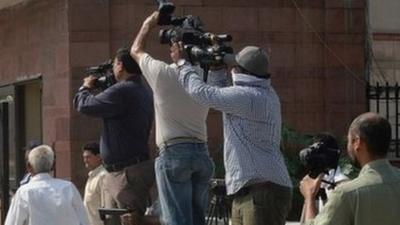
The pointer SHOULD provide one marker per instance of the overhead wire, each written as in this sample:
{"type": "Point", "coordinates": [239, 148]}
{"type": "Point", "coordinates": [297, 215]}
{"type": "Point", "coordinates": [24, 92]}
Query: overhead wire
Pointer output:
{"type": "Point", "coordinates": [326, 45]}
{"type": "Point", "coordinates": [381, 75]}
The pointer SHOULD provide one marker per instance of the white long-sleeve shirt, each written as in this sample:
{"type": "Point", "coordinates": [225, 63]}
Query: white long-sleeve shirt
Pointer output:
{"type": "Point", "coordinates": [47, 201]}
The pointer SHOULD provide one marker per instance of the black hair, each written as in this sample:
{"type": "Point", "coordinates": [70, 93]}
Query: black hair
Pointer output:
{"type": "Point", "coordinates": [375, 131]}
{"type": "Point", "coordinates": [92, 147]}
{"type": "Point", "coordinates": [123, 55]}
{"type": "Point", "coordinates": [31, 145]}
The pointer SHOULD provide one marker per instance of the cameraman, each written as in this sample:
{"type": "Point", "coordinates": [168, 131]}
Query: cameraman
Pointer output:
{"type": "Point", "coordinates": [256, 174]}
{"type": "Point", "coordinates": [323, 157]}
{"type": "Point", "coordinates": [184, 167]}
{"type": "Point", "coordinates": [373, 197]}
{"type": "Point", "coordinates": [127, 112]}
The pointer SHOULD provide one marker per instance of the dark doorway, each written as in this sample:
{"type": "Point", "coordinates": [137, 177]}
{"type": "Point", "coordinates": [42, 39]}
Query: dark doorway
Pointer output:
{"type": "Point", "coordinates": [7, 174]}
{"type": "Point", "coordinates": [20, 122]}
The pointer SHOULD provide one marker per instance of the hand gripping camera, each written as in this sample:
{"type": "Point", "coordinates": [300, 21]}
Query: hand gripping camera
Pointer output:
{"type": "Point", "coordinates": [104, 75]}
{"type": "Point", "coordinates": [320, 157]}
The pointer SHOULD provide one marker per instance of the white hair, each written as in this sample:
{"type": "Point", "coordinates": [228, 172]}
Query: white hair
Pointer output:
{"type": "Point", "coordinates": [41, 159]}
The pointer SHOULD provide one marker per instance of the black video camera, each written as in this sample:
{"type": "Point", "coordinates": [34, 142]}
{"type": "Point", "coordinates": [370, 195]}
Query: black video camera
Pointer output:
{"type": "Point", "coordinates": [104, 75]}
{"type": "Point", "coordinates": [202, 48]}
{"type": "Point", "coordinates": [320, 157]}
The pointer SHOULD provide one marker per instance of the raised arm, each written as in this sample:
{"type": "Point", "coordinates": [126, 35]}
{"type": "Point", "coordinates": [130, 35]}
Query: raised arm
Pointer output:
{"type": "Point", "coordinates": [228, 99]}
{"type": "Point", "coordinates": [104, 105]}
{"type": "Point", "coordinates": [218, 77]}
{"type": "Point", "coordinates": [138, 48]}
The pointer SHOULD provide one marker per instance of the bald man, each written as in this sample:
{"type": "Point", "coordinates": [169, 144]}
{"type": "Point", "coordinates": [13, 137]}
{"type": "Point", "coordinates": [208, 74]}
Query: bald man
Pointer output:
{"type": "Point", "coordinates": [373, 198]}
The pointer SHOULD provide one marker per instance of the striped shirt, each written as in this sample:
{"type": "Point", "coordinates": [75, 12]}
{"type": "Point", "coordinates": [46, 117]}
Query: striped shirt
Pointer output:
{"type": "Point", "coordinates": [252, 128]}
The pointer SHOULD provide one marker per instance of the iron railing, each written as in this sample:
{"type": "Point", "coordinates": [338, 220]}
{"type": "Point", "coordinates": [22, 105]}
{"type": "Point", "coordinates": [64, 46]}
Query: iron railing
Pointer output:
{"type": "Point", "coordinates": [385, 100]}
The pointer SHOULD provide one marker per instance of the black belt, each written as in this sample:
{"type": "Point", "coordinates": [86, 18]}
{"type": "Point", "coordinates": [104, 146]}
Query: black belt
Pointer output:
{"type": "Point", "coordinates": [179, 140]}
{"type": "Point", "coordinates": [252, 187]}
{"type": "Point", "coordinates": [121, 165]}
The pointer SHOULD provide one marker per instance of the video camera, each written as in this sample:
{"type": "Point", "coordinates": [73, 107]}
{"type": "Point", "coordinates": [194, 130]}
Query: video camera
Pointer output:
{"type": "Point", "coordinates": [203, 48]}
{"type": "Point", "coordinates": [320, 157]}
{"type": "Point", "coordinates": [104, 75]}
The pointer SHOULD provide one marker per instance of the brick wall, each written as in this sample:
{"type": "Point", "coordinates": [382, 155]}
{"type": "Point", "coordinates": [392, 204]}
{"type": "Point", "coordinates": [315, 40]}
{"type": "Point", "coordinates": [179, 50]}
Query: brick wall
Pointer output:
{"type": "Point", "coordinates": [59, 38]}
{"type": "Point", "coordinates": [89, 46]}
{"type": "Point", "coordinates": [316, 90]}
{"type": "Point", "coordinates": [34, 40]}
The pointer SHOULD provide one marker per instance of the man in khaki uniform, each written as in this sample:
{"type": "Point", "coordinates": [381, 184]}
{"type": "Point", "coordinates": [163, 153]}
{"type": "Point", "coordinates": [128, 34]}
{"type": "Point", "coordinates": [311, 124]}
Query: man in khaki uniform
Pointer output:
{"type": "Point", "coordinates": [373, 198]}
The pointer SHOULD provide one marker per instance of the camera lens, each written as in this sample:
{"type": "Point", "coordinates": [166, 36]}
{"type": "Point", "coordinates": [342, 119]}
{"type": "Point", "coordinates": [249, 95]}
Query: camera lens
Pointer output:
{"type": "Point", "coordinates": [165, 37]}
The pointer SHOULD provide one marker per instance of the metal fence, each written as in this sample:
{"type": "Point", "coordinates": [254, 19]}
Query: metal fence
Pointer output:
{"type": "Point", "coordinates": [384, 100]}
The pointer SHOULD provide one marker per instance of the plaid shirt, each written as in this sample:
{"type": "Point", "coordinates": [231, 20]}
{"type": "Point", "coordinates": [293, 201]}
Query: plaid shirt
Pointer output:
{"type": "Point", "coordinates": [252, 127]}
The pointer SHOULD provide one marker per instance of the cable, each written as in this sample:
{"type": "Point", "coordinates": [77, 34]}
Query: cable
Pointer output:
{"type": "Point", "coordinates": [378, 66]}
{"type": "Point", "coordinates": [325, 44]}
{"type": "Point", "coordinates": [380, 71]}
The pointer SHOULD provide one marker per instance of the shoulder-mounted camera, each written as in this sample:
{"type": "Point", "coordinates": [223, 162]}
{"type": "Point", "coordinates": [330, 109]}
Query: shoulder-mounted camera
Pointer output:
{"type": "Point", "coordinates": [104, 75]}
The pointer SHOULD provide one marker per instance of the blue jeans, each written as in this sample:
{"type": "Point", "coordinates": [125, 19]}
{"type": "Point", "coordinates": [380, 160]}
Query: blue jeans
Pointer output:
{"type": "Point", "coordinates": [183, 173]}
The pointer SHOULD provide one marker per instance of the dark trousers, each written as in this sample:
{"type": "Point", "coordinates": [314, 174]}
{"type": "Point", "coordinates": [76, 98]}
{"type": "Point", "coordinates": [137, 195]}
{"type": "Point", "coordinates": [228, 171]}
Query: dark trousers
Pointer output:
{"type": "Point", "coordinates": [262, 204]}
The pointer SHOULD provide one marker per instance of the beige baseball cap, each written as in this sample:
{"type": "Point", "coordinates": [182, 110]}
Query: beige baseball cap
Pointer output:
{"type": "Point", "coordinates": [252, 59]}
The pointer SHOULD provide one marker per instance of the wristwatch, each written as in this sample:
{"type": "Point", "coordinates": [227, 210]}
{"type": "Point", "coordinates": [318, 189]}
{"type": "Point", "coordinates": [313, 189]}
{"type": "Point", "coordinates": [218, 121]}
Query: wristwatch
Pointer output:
{"type": "Point", "coordinates": [82, 88]}
{"type": "Point", "coordinates": [181, 62]}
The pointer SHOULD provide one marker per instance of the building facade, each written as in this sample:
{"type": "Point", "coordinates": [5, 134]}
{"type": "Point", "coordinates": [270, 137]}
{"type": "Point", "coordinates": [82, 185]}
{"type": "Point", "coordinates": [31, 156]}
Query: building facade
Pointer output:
{"type": "Point", "coordinates": [317, 63]}
{"type": "Point", "coordinates": [384, 65]}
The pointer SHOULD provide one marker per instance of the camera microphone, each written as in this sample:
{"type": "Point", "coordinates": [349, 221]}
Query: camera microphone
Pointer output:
{"type": "Point", "coordinates": [165, 8]}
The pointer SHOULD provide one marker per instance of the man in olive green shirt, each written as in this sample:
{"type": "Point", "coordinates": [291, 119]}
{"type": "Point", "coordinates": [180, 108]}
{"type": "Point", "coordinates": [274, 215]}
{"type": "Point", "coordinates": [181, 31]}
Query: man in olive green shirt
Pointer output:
{"type": "Point", "coordinates": [373, 198]}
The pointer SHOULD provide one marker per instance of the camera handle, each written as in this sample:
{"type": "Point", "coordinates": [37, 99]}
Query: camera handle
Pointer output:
{"type": "Point", "coordinates": [322, 192]}
{"type": "Point", "coordinates": [206, 69]}
{"type": "Point", "coordinates": [333, 185]}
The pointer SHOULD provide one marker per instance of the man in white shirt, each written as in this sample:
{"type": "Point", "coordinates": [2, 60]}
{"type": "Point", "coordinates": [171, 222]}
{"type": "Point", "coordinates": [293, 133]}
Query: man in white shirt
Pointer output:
{"type": "Point", "coordinates": [183, 168]}
{"type": "Point", "coordinates": [94, 193]}
{"type": "Point", "coordinates": [46, 200]}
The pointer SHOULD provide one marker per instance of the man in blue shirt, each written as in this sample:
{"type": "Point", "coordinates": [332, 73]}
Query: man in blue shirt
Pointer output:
{"type": "Point", "coordinates": [127, 112]}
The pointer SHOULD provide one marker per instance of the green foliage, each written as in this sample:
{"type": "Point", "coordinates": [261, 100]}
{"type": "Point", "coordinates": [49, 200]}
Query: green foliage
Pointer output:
{"type": "Point", "coordinates": [292, 143]}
